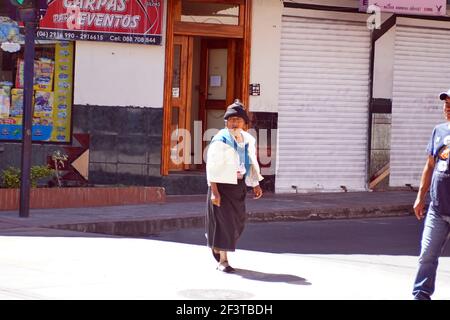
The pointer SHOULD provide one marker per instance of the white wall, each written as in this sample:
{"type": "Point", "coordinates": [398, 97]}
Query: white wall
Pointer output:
{"type": "Point", "coordinates": [265, 54]}
{"type": "Point", "coordinates": [384, 65]}
{"type": "Point", "coordinates": [384, 55]}
{"type": "Point", "coordinates": [118, 74]}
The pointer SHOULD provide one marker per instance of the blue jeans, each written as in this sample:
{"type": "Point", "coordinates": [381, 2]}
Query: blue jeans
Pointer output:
{"type": "Point", "coordinates": [435, 235]}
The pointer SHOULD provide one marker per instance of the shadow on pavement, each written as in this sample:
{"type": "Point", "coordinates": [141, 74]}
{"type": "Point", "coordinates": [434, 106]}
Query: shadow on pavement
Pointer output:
{"type": "Point", "coordinates": [271, 277]}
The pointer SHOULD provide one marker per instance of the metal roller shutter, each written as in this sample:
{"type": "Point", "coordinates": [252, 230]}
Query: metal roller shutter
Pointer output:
{"type": "Point", "coordinates": [323, 105]}
{"type": "Point", "coordinates": [421, 71]}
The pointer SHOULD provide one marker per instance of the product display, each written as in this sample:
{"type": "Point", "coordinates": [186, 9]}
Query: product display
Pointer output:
{"type": "Point", "coordinates": [43, 75]}
{"type": "Point", "coordinates": [52, 96]}
{"type": "Point", "coordinates": [63, 91]}
{"type": "Point", "coordinates": [17, 104]}
{"type": "Point", "coordinates": [9, 30]}
{"type": "Point", "coordinates": [5, 99]}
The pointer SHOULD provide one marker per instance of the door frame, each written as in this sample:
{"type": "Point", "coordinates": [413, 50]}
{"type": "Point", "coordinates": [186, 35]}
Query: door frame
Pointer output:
{"type": "Point", "coordinates": [206, 45]}
{"type": "Point", "coordinates": [183, 101]}
{"type": "Point", "coordinates": [174, 26]}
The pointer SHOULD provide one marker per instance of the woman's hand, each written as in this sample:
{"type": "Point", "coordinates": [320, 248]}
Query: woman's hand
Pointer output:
{"type": "Point", "coordinates": [215, 198]}
{"type": "Point", "coordinates": [258, 192]}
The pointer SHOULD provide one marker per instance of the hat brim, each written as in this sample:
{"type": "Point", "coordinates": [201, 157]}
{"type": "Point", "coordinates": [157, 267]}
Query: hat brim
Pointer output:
{"type": "Point", "coordinates": [245, 118]}
{"type": "Point", "coordinates": [443, 95]}
{"type": "Point", "coordinates": [236, 111]}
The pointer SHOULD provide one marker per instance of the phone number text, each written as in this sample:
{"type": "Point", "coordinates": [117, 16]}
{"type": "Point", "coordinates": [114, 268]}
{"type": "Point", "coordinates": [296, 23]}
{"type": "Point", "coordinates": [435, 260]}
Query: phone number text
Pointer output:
{"type": "Point", "coordinates": [93, 36]}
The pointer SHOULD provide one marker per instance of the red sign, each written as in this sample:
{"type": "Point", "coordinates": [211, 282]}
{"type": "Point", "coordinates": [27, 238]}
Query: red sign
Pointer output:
{"type": "Point", "coordinates": [131, 21]}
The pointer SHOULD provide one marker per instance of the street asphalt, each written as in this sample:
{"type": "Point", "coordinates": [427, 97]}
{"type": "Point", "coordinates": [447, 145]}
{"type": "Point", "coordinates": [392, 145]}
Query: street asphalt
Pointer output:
{"type": "Point", "coordinates": [348, 259]}
{"type": "Point", "coordinates": [343, 246]}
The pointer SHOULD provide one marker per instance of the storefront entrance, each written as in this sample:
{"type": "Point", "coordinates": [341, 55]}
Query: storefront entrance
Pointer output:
{"type": "Point", "coordinates": [207, 67]}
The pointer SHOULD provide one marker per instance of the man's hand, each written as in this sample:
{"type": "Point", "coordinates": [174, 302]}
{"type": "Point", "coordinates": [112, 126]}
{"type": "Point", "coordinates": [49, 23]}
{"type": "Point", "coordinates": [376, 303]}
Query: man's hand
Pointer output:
{"type": "Point", "coordinates": [425, 183]}
{"type": "Point", "coordinates": [215, 198]}
{"type": "Point", "coordinates": [419, 206]}
{"type": "Point", "coordinates": [258, 192]}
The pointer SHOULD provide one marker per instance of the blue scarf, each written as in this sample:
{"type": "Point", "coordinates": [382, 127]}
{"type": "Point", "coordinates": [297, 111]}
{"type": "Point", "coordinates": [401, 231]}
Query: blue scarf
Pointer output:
{"type": "Point", "coordinates": [225, 137]}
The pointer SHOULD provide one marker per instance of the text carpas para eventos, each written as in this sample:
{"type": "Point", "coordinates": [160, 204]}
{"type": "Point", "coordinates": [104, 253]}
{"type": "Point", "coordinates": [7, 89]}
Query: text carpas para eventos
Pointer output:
{"type": "Point", "coordinates": [99, 13]}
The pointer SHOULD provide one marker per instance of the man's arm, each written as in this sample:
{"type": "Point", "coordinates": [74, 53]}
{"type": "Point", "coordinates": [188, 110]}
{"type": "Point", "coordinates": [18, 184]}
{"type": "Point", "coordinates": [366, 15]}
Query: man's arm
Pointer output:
{"type": "Point", "coordinates": [425, 183]}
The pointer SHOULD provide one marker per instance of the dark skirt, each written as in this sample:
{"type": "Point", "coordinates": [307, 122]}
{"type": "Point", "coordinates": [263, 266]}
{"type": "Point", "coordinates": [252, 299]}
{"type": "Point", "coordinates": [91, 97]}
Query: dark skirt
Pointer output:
{"type": "Point", "coordinates": [224, 224]}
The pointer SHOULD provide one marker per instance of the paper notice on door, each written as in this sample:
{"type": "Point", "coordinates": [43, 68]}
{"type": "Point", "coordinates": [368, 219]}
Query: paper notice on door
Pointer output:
{"type": "Point", "coordinates": [175, 92]}
{"type": "Point", "coordinates": [215, 81]}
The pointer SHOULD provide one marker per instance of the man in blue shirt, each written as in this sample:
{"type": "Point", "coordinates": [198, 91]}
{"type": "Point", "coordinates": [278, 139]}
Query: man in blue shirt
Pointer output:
{"type": "Point", "coordinates": [436, 178]}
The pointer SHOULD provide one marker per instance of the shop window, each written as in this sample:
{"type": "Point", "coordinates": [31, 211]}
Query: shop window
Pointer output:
{"type": "Point", "coordinates": [52, 94]}
{"type": "Point", "coordinates": [217, 13]}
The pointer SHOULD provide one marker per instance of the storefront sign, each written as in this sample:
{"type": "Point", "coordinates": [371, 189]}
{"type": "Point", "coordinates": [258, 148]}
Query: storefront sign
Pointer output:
{"type": "Point", "coordinates": [130, 21]}
{"type": "Point", "coordinates": [414, 7]}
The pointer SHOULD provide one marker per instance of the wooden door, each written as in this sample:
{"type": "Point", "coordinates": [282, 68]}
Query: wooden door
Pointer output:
{"type": "Point", "coordinates": [180, 103]}
{"type": "Point", "coordinates": [237, 41]}
{"type": "Point", "coordinates": [217, 80]}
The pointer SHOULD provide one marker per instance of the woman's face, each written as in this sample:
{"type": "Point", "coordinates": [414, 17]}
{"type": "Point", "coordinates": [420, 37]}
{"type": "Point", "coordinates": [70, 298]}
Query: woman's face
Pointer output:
{"type": "Point", "coordinates": [235, 123]}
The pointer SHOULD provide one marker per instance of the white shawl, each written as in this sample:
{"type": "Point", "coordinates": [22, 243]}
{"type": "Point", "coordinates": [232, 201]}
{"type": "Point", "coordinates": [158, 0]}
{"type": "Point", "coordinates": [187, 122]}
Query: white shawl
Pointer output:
{"type": "Point", "coordinates": [222, 162]}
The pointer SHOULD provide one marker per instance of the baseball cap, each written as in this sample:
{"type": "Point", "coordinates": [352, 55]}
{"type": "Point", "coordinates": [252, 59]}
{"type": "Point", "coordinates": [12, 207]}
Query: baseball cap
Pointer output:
{"type": "Point", "coordinates": [444, 95]}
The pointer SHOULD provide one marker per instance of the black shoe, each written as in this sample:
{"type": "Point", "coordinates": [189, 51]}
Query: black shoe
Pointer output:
{"type": "Point", "coordinates": [225, 268]}
{"type": "Point", "coordinates": [422, 296]}
{"type": "Point", "coordinates": [215, 255]}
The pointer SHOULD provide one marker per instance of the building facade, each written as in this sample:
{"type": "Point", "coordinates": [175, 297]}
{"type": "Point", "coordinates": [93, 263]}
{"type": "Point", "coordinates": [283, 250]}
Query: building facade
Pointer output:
{"type": "Point", "coordinates": [334, 104]}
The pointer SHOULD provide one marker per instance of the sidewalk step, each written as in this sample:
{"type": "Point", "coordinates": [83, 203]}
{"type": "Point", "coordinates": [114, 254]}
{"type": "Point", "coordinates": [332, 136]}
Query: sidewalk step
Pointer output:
{"type": "Point", "coordinates": [138, 228]}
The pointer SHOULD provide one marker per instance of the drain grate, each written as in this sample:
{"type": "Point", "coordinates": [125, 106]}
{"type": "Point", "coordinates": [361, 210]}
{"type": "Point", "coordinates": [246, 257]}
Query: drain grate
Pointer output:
{"type": "Point", "coordinates": [215, 294]}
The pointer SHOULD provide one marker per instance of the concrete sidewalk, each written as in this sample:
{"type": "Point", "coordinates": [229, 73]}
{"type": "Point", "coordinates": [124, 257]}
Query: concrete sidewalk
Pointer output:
{"type": "Point", "coordinates": [188, 212]}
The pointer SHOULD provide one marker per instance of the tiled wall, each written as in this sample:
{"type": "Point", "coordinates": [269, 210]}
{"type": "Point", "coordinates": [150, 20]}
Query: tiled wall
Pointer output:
{"type": "Point", "coordinates": [268, 121]}
{"type": "Point", "coordinates": [10, 154]}
{"type": "Point", "coordinates": [125, 144]}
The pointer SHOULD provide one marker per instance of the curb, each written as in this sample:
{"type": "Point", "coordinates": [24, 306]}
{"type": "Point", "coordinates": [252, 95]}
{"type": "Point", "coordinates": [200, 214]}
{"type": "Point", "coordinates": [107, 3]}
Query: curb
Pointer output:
{"type": "Point", "coordinates": [333, 213]}
{"type": "Point", "coordinates": [140, 228]}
